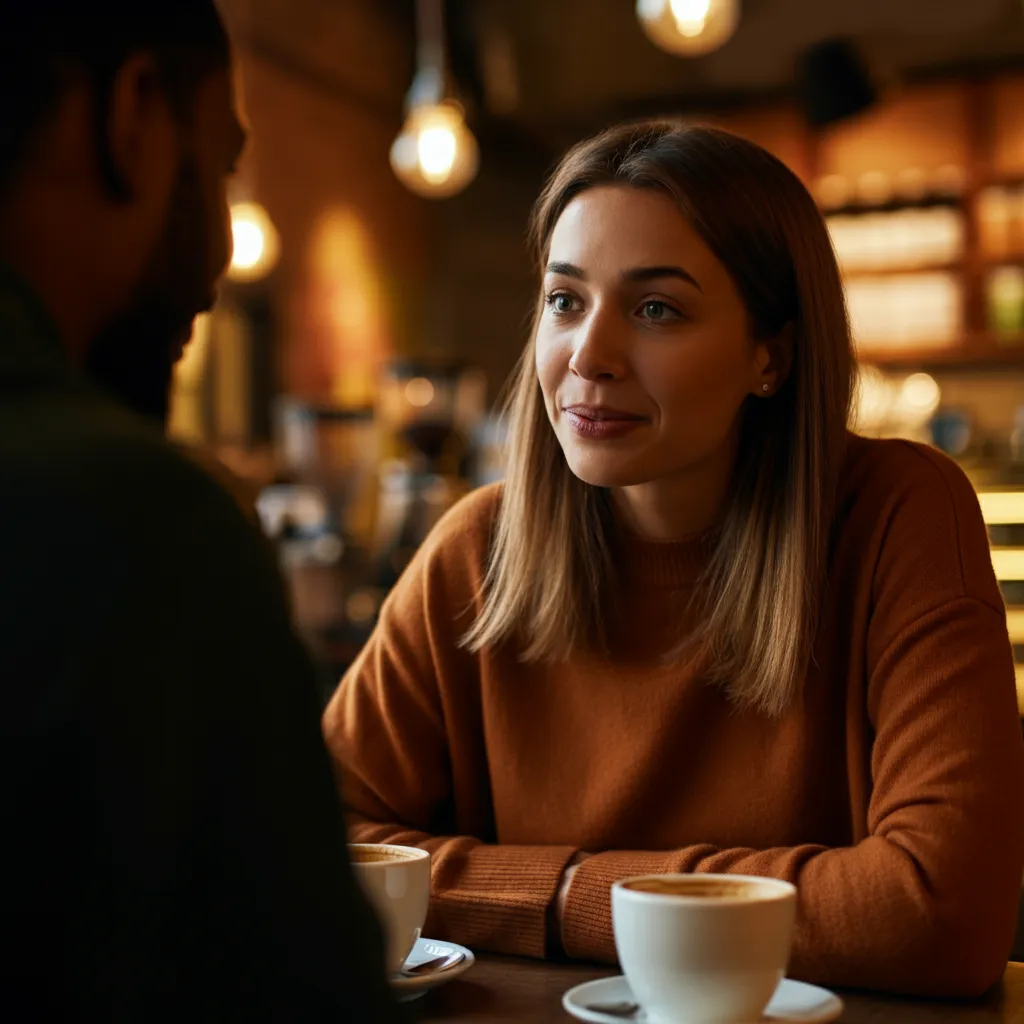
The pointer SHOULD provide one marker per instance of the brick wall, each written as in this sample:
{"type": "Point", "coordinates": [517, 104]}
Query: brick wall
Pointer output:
{"type": "Point", "coordinates": [322, 86]}
{"type": "Point", "coordinates": [482, 281]}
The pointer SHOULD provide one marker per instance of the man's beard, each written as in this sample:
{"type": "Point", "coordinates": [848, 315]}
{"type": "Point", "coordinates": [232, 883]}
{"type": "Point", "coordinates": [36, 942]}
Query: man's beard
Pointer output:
{"type": "Point", "coordinates": [133, 358]}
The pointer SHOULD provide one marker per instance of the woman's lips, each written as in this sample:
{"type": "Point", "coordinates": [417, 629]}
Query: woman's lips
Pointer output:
{"type": "Point", "coordinates": [600, 423]}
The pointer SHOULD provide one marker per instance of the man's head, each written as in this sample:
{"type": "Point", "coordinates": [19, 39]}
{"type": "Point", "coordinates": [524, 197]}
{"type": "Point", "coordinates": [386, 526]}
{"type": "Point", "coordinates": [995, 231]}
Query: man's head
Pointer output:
{"type": "Point", "coordinates": [117, 137]}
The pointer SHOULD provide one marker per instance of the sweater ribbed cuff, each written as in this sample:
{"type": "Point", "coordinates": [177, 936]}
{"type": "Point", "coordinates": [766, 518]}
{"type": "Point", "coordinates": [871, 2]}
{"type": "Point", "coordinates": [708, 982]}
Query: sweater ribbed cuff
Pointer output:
{"type": "Point", "coordinates": [587, 923]}
{"type": "Point", "coordinates": [499, 898]}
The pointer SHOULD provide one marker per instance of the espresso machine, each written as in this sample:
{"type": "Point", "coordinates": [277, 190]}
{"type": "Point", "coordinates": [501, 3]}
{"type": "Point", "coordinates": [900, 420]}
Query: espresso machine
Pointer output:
{"type": "Point", "coordinates": [428, 410]}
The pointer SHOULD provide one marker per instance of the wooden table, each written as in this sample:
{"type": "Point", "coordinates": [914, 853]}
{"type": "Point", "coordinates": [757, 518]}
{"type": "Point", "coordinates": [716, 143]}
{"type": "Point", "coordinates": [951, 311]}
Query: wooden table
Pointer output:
{"type": "Point", "coordinates": [501, 989]}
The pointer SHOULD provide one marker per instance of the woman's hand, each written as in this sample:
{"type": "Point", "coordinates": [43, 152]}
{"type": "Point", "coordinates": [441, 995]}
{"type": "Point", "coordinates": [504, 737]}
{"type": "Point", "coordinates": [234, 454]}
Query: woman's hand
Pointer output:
{"type": "Point", "coordinates": [563, 894]}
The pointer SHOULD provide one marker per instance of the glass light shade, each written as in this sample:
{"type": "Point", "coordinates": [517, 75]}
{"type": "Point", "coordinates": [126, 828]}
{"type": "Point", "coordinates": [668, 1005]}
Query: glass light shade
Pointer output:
{"type": "Point", "coordinates": [256, 245]}
{"type": "Point", "coordinates": [688, 28]}
{"type": "Point", "coordinates": [435, 155]}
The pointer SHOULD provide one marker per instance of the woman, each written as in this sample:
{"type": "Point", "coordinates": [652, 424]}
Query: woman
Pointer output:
{"type": "Point", "coordinates": [701, 627]}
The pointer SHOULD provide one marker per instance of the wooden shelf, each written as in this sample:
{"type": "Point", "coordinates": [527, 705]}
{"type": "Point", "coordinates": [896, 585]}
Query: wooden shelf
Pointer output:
{"type": "Point", "coordinates": [894, 205]}
{"type": "Point", "coordinates": [1012, 259]}
{"type": "Point", "coordinates": [983, 262]}
{"type": "Point", "coordinates": [976, 352]}
{"type": "Point", "coordinates": [938, 145]}
{"type": "Point", "coordinates": [858, 273]}
{"type": "Point", "coordinates": [1002, 181]}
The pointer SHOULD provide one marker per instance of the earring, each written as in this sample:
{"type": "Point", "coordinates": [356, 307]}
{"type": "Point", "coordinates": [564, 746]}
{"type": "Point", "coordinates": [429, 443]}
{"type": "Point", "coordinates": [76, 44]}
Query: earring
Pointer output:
{"type": "Point", "coordinates": [765, 388]}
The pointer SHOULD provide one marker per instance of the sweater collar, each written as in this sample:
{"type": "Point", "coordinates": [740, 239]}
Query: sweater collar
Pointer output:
{"type": "Point", "coordinates": [672, 564]}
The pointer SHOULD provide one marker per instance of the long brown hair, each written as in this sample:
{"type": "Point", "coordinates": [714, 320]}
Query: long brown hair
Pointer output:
{"type": "Point", "coordinates": [551, 563]}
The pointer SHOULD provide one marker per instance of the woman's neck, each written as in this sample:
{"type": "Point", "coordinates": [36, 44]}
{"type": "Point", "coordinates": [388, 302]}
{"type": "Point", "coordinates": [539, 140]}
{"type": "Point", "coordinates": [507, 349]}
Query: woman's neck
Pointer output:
{"type": "Point", "coordinates": [677, 507]}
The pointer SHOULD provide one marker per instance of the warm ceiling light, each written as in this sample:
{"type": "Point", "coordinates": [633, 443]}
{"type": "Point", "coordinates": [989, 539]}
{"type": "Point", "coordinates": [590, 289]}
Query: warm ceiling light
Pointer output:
{"type": "Point", "coordinates": [256, 245]}
{"type": "Point", "coordinates": [921, 392]}
{"type": "Point", "coordinates": [419, 392]}
{"type": "Point", "coordinates": [691, 16]}
{"type": "Point", "coordinates": [435, 154]}
{"type": "Point", "coordinates": [688, 28]}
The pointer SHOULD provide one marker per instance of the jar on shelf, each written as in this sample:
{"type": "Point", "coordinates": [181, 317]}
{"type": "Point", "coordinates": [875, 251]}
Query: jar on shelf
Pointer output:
{"type": "Point", "coordinates": [909, 311]}
{"type": "Point", "coordinates": [1005, 302]}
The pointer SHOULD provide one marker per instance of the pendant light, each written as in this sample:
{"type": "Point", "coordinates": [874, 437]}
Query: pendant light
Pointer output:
{"type": "Point", "coordinates": [688, 28]}
{"type": "Point", "coordinates": [435, 154]}
{"type": "Point", "coordinates": [256, 245]}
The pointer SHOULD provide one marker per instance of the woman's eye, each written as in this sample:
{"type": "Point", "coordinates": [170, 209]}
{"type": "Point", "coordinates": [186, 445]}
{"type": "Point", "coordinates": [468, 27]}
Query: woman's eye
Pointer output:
{"type": "Point", "coordinates": [561, 302]}
{"type": "Point", "coordinates": [656, 311]}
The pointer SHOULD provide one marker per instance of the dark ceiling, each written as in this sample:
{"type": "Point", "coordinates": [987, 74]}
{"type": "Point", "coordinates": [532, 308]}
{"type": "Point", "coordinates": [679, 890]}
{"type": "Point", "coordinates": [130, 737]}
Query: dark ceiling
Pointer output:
{"type": "Point", "coordinates": [547, 71]}
{"type": "Point", "coordinates": [558, 66]}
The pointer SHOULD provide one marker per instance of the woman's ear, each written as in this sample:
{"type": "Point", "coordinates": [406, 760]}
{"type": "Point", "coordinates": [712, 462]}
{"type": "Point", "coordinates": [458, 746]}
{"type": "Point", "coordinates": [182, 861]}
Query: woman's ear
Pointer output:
{"type": "Point", "coordinates": [774, 359]}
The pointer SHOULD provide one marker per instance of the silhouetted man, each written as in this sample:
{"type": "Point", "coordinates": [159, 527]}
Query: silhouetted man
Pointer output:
{"type": "Point", "coordinates": [173, 844]}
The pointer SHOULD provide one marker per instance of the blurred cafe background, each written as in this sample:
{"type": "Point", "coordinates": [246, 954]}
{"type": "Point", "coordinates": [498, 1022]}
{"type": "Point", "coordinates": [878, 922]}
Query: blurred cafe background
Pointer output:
{"type": "Point", "coordinates": [380, 289]}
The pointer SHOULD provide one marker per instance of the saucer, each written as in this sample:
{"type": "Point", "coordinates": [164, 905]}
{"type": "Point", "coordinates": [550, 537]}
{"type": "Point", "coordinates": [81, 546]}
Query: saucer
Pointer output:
{"type": "Point", "coordinates": [429, 949]}
{"type": "Point", "coordinates": [794, 1002]}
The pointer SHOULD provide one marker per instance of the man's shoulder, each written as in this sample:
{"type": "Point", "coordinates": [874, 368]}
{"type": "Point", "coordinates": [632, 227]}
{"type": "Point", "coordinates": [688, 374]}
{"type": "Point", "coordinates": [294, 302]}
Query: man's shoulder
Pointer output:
{"type": "Point", "coordinates": [93, 463]}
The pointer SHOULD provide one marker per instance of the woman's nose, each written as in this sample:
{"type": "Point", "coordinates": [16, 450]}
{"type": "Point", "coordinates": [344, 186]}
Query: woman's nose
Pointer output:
{"type": "Point", "coordinates": [598, 352]}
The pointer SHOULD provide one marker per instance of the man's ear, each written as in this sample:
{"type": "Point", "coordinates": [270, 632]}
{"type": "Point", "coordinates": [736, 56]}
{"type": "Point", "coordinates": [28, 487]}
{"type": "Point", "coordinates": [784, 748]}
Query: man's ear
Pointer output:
{"type": "Point", "coordinates": [134, 129]}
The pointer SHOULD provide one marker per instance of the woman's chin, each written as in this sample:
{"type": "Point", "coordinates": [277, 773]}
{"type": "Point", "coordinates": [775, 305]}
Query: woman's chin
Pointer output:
{"type": "Point", "coordinates": [601, 472]}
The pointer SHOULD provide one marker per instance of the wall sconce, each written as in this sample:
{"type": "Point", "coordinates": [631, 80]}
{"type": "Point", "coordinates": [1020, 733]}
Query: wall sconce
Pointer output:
{"type": "Point", "coordinates": [256, 243]}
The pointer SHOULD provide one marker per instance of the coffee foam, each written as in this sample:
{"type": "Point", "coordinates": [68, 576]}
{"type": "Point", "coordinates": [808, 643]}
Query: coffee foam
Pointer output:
{"type": "Point", "coordinates": [697, 888]}
{"type": "Point", "coordinates": [380, 854]}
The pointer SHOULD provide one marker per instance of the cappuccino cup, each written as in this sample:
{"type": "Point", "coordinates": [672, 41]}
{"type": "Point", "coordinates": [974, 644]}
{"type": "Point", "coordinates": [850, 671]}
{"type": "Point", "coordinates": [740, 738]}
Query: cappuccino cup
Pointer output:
{"type": "Point", "coordinates": [396, 880]}
{"type": "Point", "coordinates": [703, 949]}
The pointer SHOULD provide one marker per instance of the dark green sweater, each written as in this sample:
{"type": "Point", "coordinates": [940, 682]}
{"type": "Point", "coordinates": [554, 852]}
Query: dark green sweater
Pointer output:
{"type": "Point", "coordinates": [174, 847]}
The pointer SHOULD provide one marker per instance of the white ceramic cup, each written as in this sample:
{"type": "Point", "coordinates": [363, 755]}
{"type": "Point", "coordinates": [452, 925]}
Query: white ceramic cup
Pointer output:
{"type": "Point", "coordinates": [396, 880]}
{"type": "Point", "coordinates": [703, 949]}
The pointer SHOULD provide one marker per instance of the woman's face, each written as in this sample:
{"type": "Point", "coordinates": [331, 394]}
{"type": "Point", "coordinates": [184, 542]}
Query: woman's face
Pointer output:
{"type": "Point", "coordinates": [643, 351]}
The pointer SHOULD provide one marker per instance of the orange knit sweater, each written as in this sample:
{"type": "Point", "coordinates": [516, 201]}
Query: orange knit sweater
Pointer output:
{"type": "Point", "coordinates": [890, 793]}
